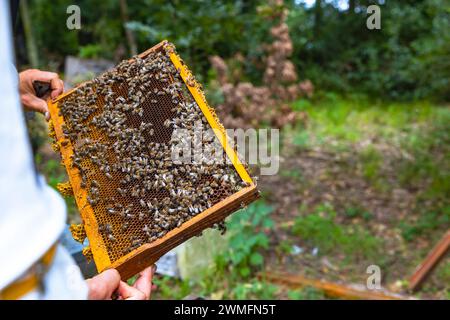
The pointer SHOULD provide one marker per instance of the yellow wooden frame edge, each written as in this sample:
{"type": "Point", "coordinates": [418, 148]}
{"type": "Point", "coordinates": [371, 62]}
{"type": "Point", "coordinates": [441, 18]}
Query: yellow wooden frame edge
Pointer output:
{"type": "Point", "coordinates": [96, 243]}
{"type": "Point", "coordinates": [218, 129]}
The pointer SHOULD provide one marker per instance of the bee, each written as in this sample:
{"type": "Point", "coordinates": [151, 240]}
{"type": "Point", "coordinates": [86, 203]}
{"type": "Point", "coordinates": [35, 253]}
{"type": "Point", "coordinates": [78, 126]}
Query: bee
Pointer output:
{"type": "Point", "coordinates": [91, 201]}
{"type": "Point", "coordinates": [105, 228]}
{"type": "Point", "coordinates": [136, 243]}
{"type": "Point", "coordinates": [161, 234]}
{"type": "Point", "coordinates": [147, 230]}
{"type": "Point", "coordinates": [122, 192]}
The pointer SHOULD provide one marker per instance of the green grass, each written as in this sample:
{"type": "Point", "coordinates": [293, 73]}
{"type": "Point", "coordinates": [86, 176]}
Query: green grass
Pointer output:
{"type": "Point", "coordinates": [395, 145]}
{"type": "Point", "coordinates": [371, 161]}
{"type": "Point", "coordinates": [306, 293]}
{"type": "Point", "coordinates": [429, 148]}
{"type": "Point", "coordinates": [294, 174]}
{"type": "Point", "coordinates": [320, 229]}
{"type": "Point", "coordinates": [254, 289]}
{"type": "Point", "coordinates": [172, 288]}
{"type": "Point", "coordinates": [425, 224]}
{"type": "Point", "coordinates": [443, 272]}
{"type": "Point", "coordinates": [358, 212]}
{"type": "Point", "coordinates": [353, 119]}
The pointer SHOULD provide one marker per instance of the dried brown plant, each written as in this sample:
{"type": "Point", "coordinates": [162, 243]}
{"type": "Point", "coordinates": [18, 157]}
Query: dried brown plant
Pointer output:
{"type": "Point", "coordinates": [246, 105]}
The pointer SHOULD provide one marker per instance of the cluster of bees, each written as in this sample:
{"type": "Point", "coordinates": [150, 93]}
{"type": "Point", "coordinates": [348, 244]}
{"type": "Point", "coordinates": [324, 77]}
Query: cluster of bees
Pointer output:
{"type": "Point", "coordinates": [120, 127]}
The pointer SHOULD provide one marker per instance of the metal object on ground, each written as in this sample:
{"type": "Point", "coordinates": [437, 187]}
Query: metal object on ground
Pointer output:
{"type": "Point", "coordinates": [115, 134]}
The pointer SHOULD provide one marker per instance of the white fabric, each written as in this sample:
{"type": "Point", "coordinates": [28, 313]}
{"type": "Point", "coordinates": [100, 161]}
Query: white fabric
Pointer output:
{"type": "Point", "coordinates": [62, 281]}
{"type": "Point", "coordinates": [32, 215]}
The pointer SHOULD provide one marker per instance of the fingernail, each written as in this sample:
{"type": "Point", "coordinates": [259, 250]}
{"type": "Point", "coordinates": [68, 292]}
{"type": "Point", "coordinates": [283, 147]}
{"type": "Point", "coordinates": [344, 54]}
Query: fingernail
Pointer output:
{"type": "Point", "coordinates": [47, 115]}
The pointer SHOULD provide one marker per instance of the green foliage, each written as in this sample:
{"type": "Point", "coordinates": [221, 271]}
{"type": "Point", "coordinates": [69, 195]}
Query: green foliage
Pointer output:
{"type": "Point", "coordinates": [371, 162]}
{"type": "Point", "coordinates": [321, 229]}
{"type": "Point", "coordinates": [406, 59]}
{"type": "Point", "coordinates": [284, 247]}
{"type": "Point", "coordinates": [294, 174]}
{"type": "Point", "coordinates": [254, 289]}
{"type": "Point", "coordinates": [443, 272]}
{"type": "Point", "coordinates": [233, 275]}
{"type": "Point", "coordinates": [426, 223]}
{"type": "Point", "coordinates": [171, 288]}
{"type": "Point", "coordinates": [336, 120]}
{"type": "Point", "coordinates": [90, 51]}
{"type": "Point", "coordinates": [429, 150]}
{"type": "Point", "coordinates": [248, 237]}
{"type": "Point", "coordinates": [48, 19]}
{"type": "Point", "coordinates": [201, 29]}
{"type": "Point", "coordinates": [357, 212]}
{"type": "Point", "coordinates": [301, 138]}
{"type": "Point", "coordinates": [101, 26]}
{"type": "Point", "coordinates": [37, 130]}
{"type": "Point", "coordinates": [306, 293]}
{"type": "Point", "coordinates": [54, 172]}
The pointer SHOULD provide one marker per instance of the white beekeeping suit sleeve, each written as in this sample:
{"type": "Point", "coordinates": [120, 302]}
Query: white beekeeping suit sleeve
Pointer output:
{"type": "Point", "coordinates": [32, 215]}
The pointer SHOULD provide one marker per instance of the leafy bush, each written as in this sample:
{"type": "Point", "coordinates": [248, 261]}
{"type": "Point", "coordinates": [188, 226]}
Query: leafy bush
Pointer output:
{"type": "Point", "coordinates": [406, 59]}
{"type": "Point", "coordinates": [90, 51]}
{"type": "Point", "coordinates": [172, 288]}
{"type": "Point", "coordinates": [248, 237]}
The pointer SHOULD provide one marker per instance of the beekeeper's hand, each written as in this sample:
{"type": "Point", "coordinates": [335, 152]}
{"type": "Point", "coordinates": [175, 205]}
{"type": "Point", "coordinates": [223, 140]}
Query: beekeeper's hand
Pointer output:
{"type": "Point", "coordinates": [107, 284]}
{"type": "Point", "coordinates": [28, 95]}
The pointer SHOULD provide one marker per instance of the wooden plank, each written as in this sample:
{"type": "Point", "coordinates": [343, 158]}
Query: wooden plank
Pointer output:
{"type": "Point", "coordinates": [434, 257]}
{"type": "Point", "coordinates": [331, 289]}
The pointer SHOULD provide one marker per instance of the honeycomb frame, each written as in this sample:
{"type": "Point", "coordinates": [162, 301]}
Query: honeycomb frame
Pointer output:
{"type": "Point", "coordinates": [148, 253]}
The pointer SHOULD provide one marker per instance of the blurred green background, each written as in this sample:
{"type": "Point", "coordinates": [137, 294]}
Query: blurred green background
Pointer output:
{"type": "Point", "coordinates": [364, 176]}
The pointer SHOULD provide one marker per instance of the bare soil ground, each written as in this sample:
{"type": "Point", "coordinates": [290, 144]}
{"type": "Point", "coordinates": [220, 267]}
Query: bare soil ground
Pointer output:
{"type": "Point", "coordinates": [310, 177]}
